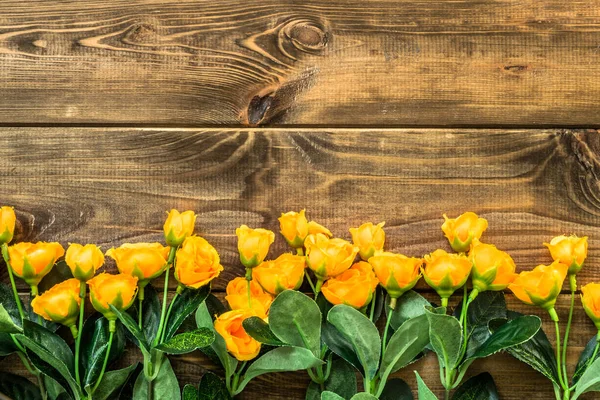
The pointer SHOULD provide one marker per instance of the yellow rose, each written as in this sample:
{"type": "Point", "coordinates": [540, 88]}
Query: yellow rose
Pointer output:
{"type": "Point", "coordinates": [197, 263]}
{"type": "Point", "coordinates": [237, 297]}
{"type": "Point", "coordinates": [8, 219]}
{"type": "Point", "coordinates": [314, 228]}
{"type": "Point", "coordinates": [353, 287]}
{"type": "Point", "coordinates": [33, 261]}
{"type": "Point", "coordinates": [116, 290]}
{"type": "Point", "coordinates": [541, 286]}
{"type": "Point", "coordinates": [493, 269]}
{"type": "Point", "coordinates": [60, 304]}
{"type": "Point", "coordinates": [328, 258]}
{"type": "Point", "coordinates": [446, 272]}
{"type": "Point", "coordinates": [145, 261]}
{"type": "Point", "coordinates": [179, 226]}
{"type": "Point", "coordinates": [294, 228]}
{"type": "Point", "coordinates": [285, 272]}
{"type": "Point", "coordinates": [253, 245]}
{"type": "Point", "coordinates": [569, 250]}
{"type": "Point", "coordinates": [84, 261]}
{"type": "Point", "coordinates": [369, 239]}
{"type": "Point", "coordinates": [462, 230]}
{"type": "Point", "coordinates": [590, 298]}
{"type": "Point", "coordinates": [396, 272]}
{"type": "Point", "coordinates": [241, 345]}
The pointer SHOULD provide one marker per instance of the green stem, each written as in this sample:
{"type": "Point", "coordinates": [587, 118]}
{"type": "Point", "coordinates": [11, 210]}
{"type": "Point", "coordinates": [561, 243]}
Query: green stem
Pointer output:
{"type": "Point", "coordinates": [318, 286]}
{"type": "Point", "coordinates": [249, 289]}
{"type": "Point", "coordinates": [25, 362]}
{"type": "Point", "coordinates": [82, 293]}
{"type": "Point", "coordinates": [558, 364]}
{"type": "Point", "coordinates": [387, 325]}
{"type": "Point", "coordinates": [163, 312]}
{"type": "Point", "coordinates": [12, 280]}
{"type": "Point", "coordinates": [141, 297]}
{"type": "Point", "coordinates": [310, 282]}
{"type": "Point", "coordinates": [110, 340]}
{"type": "Point", "coordinates": [300, 251]}
{"type": "Point", "coordinates": [373, 301]}
{"type": "Point", "coordinates": [162, 338]}
{"type": "Point", "coordinates": [573, 285]}
{"type": "Point", "coordinates": [41, 385]}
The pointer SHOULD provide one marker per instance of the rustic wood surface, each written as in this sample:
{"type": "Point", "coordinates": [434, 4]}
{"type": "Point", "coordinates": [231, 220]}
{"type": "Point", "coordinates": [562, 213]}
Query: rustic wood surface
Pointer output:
{"type": "Point", "coordinates": [338, 62]}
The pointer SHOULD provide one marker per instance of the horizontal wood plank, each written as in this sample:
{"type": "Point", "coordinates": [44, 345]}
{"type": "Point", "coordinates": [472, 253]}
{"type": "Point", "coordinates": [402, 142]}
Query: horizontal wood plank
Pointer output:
{"type": "Point", "coordinates": [109, 186]}
{"type": "Point", "coordinates": [341, 62]}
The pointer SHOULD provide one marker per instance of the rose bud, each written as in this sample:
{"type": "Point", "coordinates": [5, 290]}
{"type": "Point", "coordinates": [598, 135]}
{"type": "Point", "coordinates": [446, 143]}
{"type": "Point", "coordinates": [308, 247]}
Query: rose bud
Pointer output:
{"type": "Point", "coordinates": [253, 245]}
{"type": "Point", "coordinates": [60, 304]}
{"type": "Point", "coordinates": [328, 258]}
{"type": "Point", "coordinates": [541, 286]}
{"type": "Point", "coordinates": [116, 290]}
{"type": "Point", "coordinates": [353, 287]}
{"type": "Point", "coordinates": [590, 298]}
{"type": "Point", "coordinates": [197, 263]}
{"type": "Point", "coordinates": [396, 273]}
{"type": "Point", "coordinates": [179, 226]}
{"type": "Point", "coordinates": [145, 261]}
{"type": "Point", "coordinates": [569, 250]}
{"type": "Point", "coordinates": [294, 228]}
{"type": "Point", "coordinates": [241, 345]}
{"type": "Point", "coordinates": [84, 261]}
{"type": "Point", "coordinates": [493, 269]}
{"type": "Point", "coordinates": [32, 261]}
{"type": "Point", "coordinates": [462, 230]}
{"type": "Point", "coordinates": [369, 239]}
{"type": "Point", "coordinates": [446, 272]}
{"type": "Point", "coordinates": [285, 272]}
{"type": "Point", "coordinates": [8, 219]}
{"type": "Point", "coordinates": [237, 297]}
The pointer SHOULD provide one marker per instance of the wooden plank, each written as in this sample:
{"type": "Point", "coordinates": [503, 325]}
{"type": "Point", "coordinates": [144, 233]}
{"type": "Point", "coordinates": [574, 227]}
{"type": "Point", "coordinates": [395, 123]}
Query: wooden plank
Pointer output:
{"type": "Point", "coordinates": [113, 185]}
{"type": "Point", "coordinates": [341, 62]}
{"type": "Point", "coordinates": [514, 379]}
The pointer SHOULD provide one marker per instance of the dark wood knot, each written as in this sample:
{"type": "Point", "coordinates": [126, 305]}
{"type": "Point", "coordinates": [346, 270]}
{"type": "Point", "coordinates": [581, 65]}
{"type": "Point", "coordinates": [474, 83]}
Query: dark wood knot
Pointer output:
{"type": "Point", "coordinates": [306, 35]}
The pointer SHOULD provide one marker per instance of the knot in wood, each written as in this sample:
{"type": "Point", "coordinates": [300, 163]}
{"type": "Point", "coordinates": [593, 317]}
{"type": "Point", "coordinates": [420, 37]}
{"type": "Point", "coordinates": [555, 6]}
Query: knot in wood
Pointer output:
{"type": "Point", "coordinates": [305, 35]}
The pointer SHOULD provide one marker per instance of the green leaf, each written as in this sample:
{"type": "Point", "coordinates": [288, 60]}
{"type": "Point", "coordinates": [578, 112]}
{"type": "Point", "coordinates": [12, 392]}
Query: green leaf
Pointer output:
{"type": "Point", "coordinates": [94, 343]}
{"type": "Point", "coordinates": [338, 344]}
{"type": "Point", "coordinates": [261, 331]}
{"type": "Point", "coordinates": [424, 392]}
{"type": "Point", "coordinates": [7, 325]}
{"type": "Point", "coordinates": [204, 320]}
{"type": "Point", "coordinates": [589, 381]}
{"type": "Point", "coordinates": [150, 313]}
{"type": "Point", "coordinates": [126, 390]}
{"type": "Point", "coordinates": [214, 305]}
{"type": "Point", "coordinates": [294, 319]}
{"type": "Point", "coordinates": [486, 307]}
{"type": "Point", "coordinates": [380, 304]}
{"type": "Point", "coordinates": [361, 333]}
{"type": "Point", "coordinates": [327, 395]}
{"type": "Point", "coordinates": [55, 390]}
{"type": "Point", "coordinates": [445, 334]}
{"type": "Point", "coordinates": [7, 345]}
{"type": "Point", "coordinates": [585, 358]}
{"type": "Point", "coordinates": [184, 305]}
{"type": "Point", "coordinates": [363, 396]}
{"type": "Point", "coordinates": [189, 392]}
{"type": "Point", "coordinates": [410, 305]}
{"type": "Point", "coordinates": [60, 272]}
{"type": "Point", "coordinates": [212, 387]}
{"type": "Point", "coordinates": [341, 380]}
{"type": "Point", "coordinates": [49, 341]}
{"type": "Point", "coordinates": [396, 389]}
{"type": "Point", "coordinates": [479, 387]}
{"type": "Point", "coordinates": [406, 343]}
{"type": "Point", "coordinates": [133, 328]}
{"type": "Point", "coordinates": [512, 333]}
{"type": "Point", "coordinates": [188, 341]}
{"type": "Point", "coordinates": [112, 381]}
{"type": "Point", "coordinates": [18, 388]}
{"type": "Point", "coordinates": [280, 359]}
{"type": "Point", "coordinates": [165, 386]}
{"type": "Point", "coordinates": [7, 301]}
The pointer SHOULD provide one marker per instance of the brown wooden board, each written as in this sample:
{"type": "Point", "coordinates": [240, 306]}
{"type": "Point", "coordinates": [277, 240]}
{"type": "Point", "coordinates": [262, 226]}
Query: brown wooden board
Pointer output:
{"type": "Point", "coordinates": [338, 62]}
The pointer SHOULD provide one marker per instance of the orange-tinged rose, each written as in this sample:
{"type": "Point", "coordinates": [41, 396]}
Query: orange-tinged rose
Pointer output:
{"type": "Point", "coordinates": [237, 297]}
{"type": "Point", "coordinates": [145, 261]}
{"type": "Point", "coordinates": [369, 239]}
{"type": "Point", "coordinates": [569, 250]}
{"type": "Point", "coordinates": [396, 272]}
{"type": "Point", "coordinates": [314, 228]}
{"type": "Point", "coordinates": [590, 298]}
{"type": "Point", "coordinates": [294, 228]}
{"type": "Point", "coordinates": [540, 286]}
{"type": "Point", "coordinates": [241, 345]}
{"type": "Point", "coordinates": [462, 230]}
{"type": "Point", "coordinates": [328, 258]}
{"type": "Point", "coordinates": [353, 287]}
{"type": "Point", "coordinates": [84, 261]}
{"type": "Point", "coordinates": [253, 245]}
{"type": "Point", "coordinates": [8, 219]}
{"type": "Point", "coordinates": [179, 226]}
{"type": "Point", "coordinates": [60, 303]}
{"type": "Point", "coordinates": [285, 272]}
{"type": "Point", "coordinates": [116, 290]}
{"type": "Point", "coordinates": [197, 263]}
{"type": "Point", "coordinates": [446, 272]}
{"type": "Point", "coordinates": [33, 261]}
{"type": "Point", "coordinates": [493, 269]}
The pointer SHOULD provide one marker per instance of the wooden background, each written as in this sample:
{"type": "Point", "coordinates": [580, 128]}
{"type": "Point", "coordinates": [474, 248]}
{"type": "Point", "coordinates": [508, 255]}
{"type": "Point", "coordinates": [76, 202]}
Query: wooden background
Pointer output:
{"type": "Point", "coordinates": [113, 112]}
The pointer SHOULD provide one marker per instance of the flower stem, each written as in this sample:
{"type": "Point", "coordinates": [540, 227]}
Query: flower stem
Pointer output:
{"type": "Point", "coordinates": [558, 364]}
{"type": "Point", "coordinates": [373, 301]}
{"type": "Point", "coordinates": [110, 340]}
{"type": "Point", "coordinates": [249, 289]}
{"type": "Point", "coordinates": [12, 280]}
{"type": "Point", "coordinates": [318, 286]}
{"type": "Point", "coordinates": [310, 282]}
{"type": "Point", "coordinates": [162, 338]}
{"type": "Point", "coordinates": [387, 325]}
{"type": "Point", "coordinates": [573, 286]}
{"type": "Point", "coordinates": [82, 292]}
{"type": "Point", "coordinates": [140, 297]}
{"type": "Point", "coordinates": [163, 312]}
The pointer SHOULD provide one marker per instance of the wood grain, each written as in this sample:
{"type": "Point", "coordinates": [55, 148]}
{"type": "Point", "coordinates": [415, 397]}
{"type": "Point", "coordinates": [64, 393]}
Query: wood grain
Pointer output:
{"type": "Point", "coordinates": [340, 62]}
{"type": "Point", "coordinates": [113, 185]}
